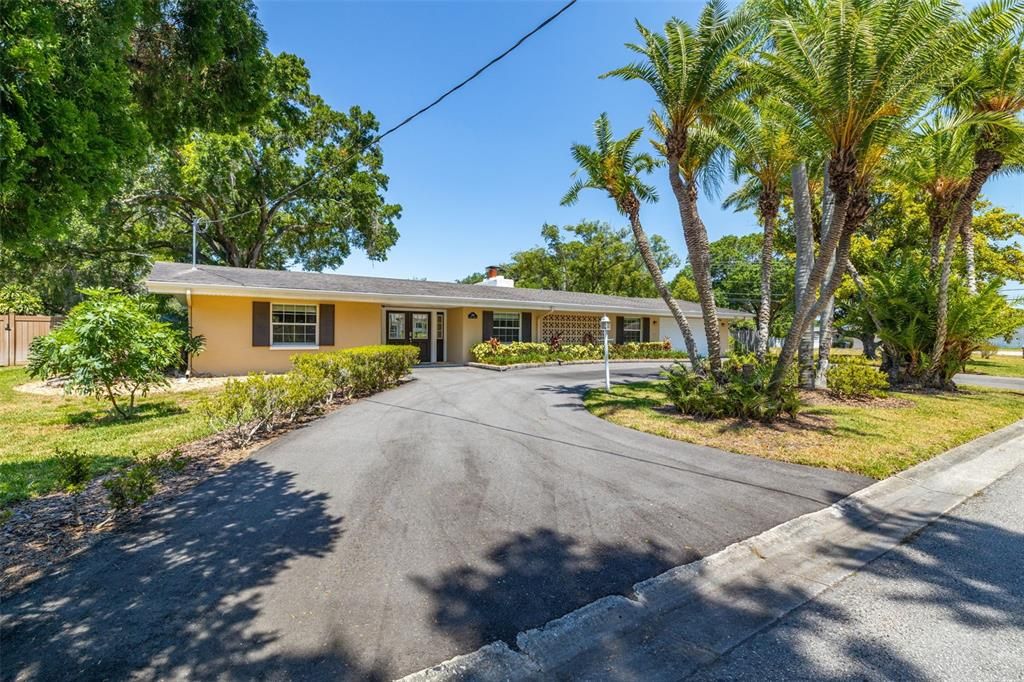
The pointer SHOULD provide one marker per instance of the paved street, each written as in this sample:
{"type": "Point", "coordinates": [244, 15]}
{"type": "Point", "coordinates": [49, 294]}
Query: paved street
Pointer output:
{"type": "Point", "coordinates": [1007, 383]}
{"type": "Point", "coordinates": [948, 605]}
{"type": "Point", "coordinates": [460, 508]}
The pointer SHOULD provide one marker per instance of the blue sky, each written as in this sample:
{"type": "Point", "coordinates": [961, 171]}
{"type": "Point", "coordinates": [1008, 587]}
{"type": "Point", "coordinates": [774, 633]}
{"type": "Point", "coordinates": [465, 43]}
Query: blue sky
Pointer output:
{"type": "Point", "coordinates": [478, 175]}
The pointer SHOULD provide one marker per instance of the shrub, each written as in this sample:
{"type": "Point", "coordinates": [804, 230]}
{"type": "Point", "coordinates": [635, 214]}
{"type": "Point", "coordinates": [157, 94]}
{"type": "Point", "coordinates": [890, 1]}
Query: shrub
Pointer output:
{"type": "Point", "coordinates": [131, 487]}
{"type": "Point", "coordinates": [496, 353]}
{"type": "Point", "coordinates": [74, 469]}
{"type": "Point", "coordinates": [262, 402]}
{"type": "Point", "coordinates": [850, 379]}
{"type": "Point", "coordinates": [110, 345]}
{"type": "Point", "coordinates": [742, 393]}
{"type": "Point", "coordinates": [987, 350]}
{"type": "Point", "coordinates": [375, 368]}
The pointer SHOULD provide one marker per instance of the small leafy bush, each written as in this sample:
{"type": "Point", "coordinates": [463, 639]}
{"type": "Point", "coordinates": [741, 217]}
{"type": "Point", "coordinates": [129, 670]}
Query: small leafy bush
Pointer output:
{"type": "Point", "coordinates": [111, 345]}
{"type": "Point", "coordinates": [850, 379]}
{"type": "Point", "coordinates": [131, 487]}
{"type": "Point", "coordinates": [74, 469]}
{"type": "Point", "coordinates": [324, 367]}
{"type": "Point", "coordinates": [742, 393]}
{"type": "Point", "coordinates": [20, 300]}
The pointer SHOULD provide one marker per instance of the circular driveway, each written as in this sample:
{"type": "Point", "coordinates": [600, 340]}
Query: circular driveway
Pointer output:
{"type": "Point", "coordinates": [460, 508]}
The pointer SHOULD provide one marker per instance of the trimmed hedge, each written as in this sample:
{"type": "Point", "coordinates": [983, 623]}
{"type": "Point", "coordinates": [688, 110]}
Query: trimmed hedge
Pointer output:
{"type": "Point", "coordinates": [496, 353]}
{"type": "Point", "coordinates": [247, 408]}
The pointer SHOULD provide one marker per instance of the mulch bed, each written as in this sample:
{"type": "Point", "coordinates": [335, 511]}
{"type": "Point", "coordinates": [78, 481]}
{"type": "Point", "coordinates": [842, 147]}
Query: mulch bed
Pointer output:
{"type": "Point", "coordinates": [824, 399]}
{"type": "Point", "coordinates": [41, 534]}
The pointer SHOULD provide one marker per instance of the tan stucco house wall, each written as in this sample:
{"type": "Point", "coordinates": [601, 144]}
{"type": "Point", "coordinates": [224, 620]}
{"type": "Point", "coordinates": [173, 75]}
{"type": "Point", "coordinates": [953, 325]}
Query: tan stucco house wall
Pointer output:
{"type": "Point", "coordinates": [226, 322]}
{"type": "Point", "coordinates": [233, 308]}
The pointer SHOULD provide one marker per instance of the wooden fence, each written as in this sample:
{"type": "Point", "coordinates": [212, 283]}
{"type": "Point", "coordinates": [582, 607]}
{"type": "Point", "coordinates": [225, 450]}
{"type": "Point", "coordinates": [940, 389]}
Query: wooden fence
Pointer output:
{"type": "Point", "coordinates": [17, 332]}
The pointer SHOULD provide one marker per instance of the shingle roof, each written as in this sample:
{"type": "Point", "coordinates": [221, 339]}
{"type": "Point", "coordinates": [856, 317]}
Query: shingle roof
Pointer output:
{"type": "Point", "coordinates": [183, 274]}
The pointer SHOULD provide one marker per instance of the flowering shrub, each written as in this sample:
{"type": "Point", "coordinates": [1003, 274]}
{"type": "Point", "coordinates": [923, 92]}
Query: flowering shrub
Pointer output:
{"type": "Point", "coordinates": [493, 352]}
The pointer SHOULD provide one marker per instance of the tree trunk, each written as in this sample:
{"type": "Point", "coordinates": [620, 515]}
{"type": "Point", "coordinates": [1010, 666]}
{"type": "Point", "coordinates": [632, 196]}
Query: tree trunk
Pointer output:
{"type": "Point", "coordinates": [986, 162]}
{"type": "Point", "coordinates": [967, 233]}
{"type": "Point", "coordinates": [804, 226]}
{"type": "Point", "coordinates": [632, 208]}
{"type": "Point", "coordinates": [842, 171]}
{"type": "Point", "coordinates": [768, 206]}
{"type": "Point", "coordinates": [825, 320]}
{"type": "Point", "coordinates": [857, 214]}
{"type": "Point", "coordinates": [937, 222]}
{"type": "Point", "coordinates": [697, 248]}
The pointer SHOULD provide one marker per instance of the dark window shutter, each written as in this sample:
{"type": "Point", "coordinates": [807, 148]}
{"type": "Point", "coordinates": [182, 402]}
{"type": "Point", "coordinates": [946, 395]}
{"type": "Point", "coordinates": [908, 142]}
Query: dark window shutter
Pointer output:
{"type": "Point", "coordinates": [645, 334]}
{"type": "Point", "coordinates": [488, 325]}
{"type": "Point", "coordinates": [261, 323]}
{"type": "Point", "coordinates": [526, 326]}
{"type": "Point", "coordinates": [620, 329]}
{"type": "Point", "coordinates": [326, 324]}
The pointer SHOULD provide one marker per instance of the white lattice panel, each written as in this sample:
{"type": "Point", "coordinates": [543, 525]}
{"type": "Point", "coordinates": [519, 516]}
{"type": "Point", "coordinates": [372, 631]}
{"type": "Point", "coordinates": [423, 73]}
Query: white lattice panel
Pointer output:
{"type": "Point", "coordinates": [571, 328]}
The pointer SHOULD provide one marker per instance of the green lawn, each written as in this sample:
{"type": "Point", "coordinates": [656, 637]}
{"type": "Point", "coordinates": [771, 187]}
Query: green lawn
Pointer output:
{"type": "Point", "coordinates": [997, 365]}
{"type": "Point", "coordinates": [33, 425]}
{"type": "Point", "coordinates": [871, 440]}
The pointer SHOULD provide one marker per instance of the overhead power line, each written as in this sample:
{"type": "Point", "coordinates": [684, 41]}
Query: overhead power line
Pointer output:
{"type": "Point", "coordinates": [407, 120]}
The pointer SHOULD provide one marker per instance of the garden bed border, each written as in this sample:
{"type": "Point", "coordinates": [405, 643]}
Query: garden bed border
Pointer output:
{"type": "Point", "coordinates": [558, 363]}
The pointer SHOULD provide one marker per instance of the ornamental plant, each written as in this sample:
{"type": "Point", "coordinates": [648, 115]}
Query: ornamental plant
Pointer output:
{"type": "Point", "coordinates": [110, 346]}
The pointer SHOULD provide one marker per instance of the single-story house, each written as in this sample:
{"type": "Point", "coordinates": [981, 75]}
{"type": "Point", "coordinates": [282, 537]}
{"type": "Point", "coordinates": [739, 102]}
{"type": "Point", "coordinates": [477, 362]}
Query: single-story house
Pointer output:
{"type": "Point", "coordinates": [254, 320]}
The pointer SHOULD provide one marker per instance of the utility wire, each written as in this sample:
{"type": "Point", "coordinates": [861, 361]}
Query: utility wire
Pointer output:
{"type": "Point", "coordinates": [407, 119]}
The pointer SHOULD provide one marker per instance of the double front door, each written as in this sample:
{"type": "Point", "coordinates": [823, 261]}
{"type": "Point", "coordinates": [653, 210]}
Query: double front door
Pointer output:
{"type": "Point", "coordinates": [413, 328]}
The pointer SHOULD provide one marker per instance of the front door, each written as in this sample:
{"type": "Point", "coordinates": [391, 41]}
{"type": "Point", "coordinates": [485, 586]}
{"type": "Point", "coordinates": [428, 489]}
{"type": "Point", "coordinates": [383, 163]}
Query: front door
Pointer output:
{"type": "Point", "coordinates": [411, 329]}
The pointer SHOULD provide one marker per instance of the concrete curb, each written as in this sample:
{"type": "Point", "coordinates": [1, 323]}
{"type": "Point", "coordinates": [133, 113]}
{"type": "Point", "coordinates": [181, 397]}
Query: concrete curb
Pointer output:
{"type": "Point", "coordinates": [685, 618]}
{"type": "Point", "coordinates": [531, 365]}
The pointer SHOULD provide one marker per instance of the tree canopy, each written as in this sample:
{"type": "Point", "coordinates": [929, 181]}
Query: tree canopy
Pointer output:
{"type": "Point", "coordinates": [88, 87]}
{"type": "Point", "coordinates": [302, 184]}
{"type": "Point", "coordinates": [590, 257]}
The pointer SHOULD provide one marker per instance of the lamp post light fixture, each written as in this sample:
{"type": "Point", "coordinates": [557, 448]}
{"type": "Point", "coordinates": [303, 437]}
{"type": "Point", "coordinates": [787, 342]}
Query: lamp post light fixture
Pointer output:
{"type": "Point", "coordinates": [605, 326]}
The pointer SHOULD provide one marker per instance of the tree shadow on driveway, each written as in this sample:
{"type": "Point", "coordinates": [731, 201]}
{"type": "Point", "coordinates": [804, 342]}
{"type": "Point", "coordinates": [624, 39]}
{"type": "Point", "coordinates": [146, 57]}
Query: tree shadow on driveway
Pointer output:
{"type": "Point", "coordinates": [533, 577]}
{"type": "Point", "coordinates": [178, 593]}
{"type": "Point", "coordinates": [960, 572]}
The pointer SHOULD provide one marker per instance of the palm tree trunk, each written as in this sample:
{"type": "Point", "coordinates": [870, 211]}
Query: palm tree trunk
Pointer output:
{"type": "Point", "coordinates": [804, 227]}
{"type": "Point", "coordinates": [699, 253]}
{"type": "Point", "coordinates": [967, 233]}
{"type": "Point", "coordinates": [860, 206]}
{"type": "Point", "coordinates": [843, 168]}
{"type": "Point", "coordinates": [986, 162]}
{"type": "Point", "coordinates": [937, 222]}
{"type": "Point", "coordinates": [643, 244]}
{"type": "Point", "coordinates": [768, 206]}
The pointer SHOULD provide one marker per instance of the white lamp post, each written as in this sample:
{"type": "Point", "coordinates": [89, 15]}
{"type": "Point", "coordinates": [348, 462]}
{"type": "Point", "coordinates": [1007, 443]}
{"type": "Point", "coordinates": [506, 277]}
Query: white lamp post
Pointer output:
{"type": "Point", "coordinates": [605, 325]}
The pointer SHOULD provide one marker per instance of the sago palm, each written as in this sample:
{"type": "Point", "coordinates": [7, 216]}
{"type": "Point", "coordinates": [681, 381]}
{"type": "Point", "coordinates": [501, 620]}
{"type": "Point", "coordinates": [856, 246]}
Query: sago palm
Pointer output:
{"type": "Point", "coordinates": [692, 70]}
{"type": "Point", "coordinates": [859, 71]}
{"type": "Point", "coordinates": [615, 168]}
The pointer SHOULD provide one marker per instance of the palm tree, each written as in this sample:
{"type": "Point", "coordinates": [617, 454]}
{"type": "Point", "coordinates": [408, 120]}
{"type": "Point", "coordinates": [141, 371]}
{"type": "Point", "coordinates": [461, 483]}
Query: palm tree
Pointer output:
{"type": "Point", "coordinates": [991, 89]}
{"type": "Point", "coordinates": [760, 137]}
{"type": "Point", "coordinates": [859, 71]}
{"type": "Point", "coordinates": [692, 71]}
{"type": "Point", "coordinates": [613, 167]}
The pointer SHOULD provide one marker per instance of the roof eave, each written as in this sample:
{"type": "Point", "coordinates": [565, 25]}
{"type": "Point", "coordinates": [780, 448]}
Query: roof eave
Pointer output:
{"type": "Point", "coordinates": [429, 300]}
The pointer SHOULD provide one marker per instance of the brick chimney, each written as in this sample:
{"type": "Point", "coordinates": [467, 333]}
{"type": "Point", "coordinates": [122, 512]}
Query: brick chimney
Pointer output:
{"type": "Point", "coordinates": [494, 278]}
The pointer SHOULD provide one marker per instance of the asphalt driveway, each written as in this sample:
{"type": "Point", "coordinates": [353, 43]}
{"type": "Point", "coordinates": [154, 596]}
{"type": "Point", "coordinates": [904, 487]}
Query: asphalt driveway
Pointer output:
{"type": "Point", "coordinates": [422, 523]}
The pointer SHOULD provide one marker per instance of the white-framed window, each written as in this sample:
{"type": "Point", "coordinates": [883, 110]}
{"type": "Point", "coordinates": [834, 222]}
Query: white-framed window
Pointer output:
{"type": "Point", "coordinates": [507, 327]}
{"type": "Point", "coordinates": [396, 326]}
{"type": "Point", "coordinates": [293, 324]}
{"type": "Point", "coordinates": [632, 330]}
